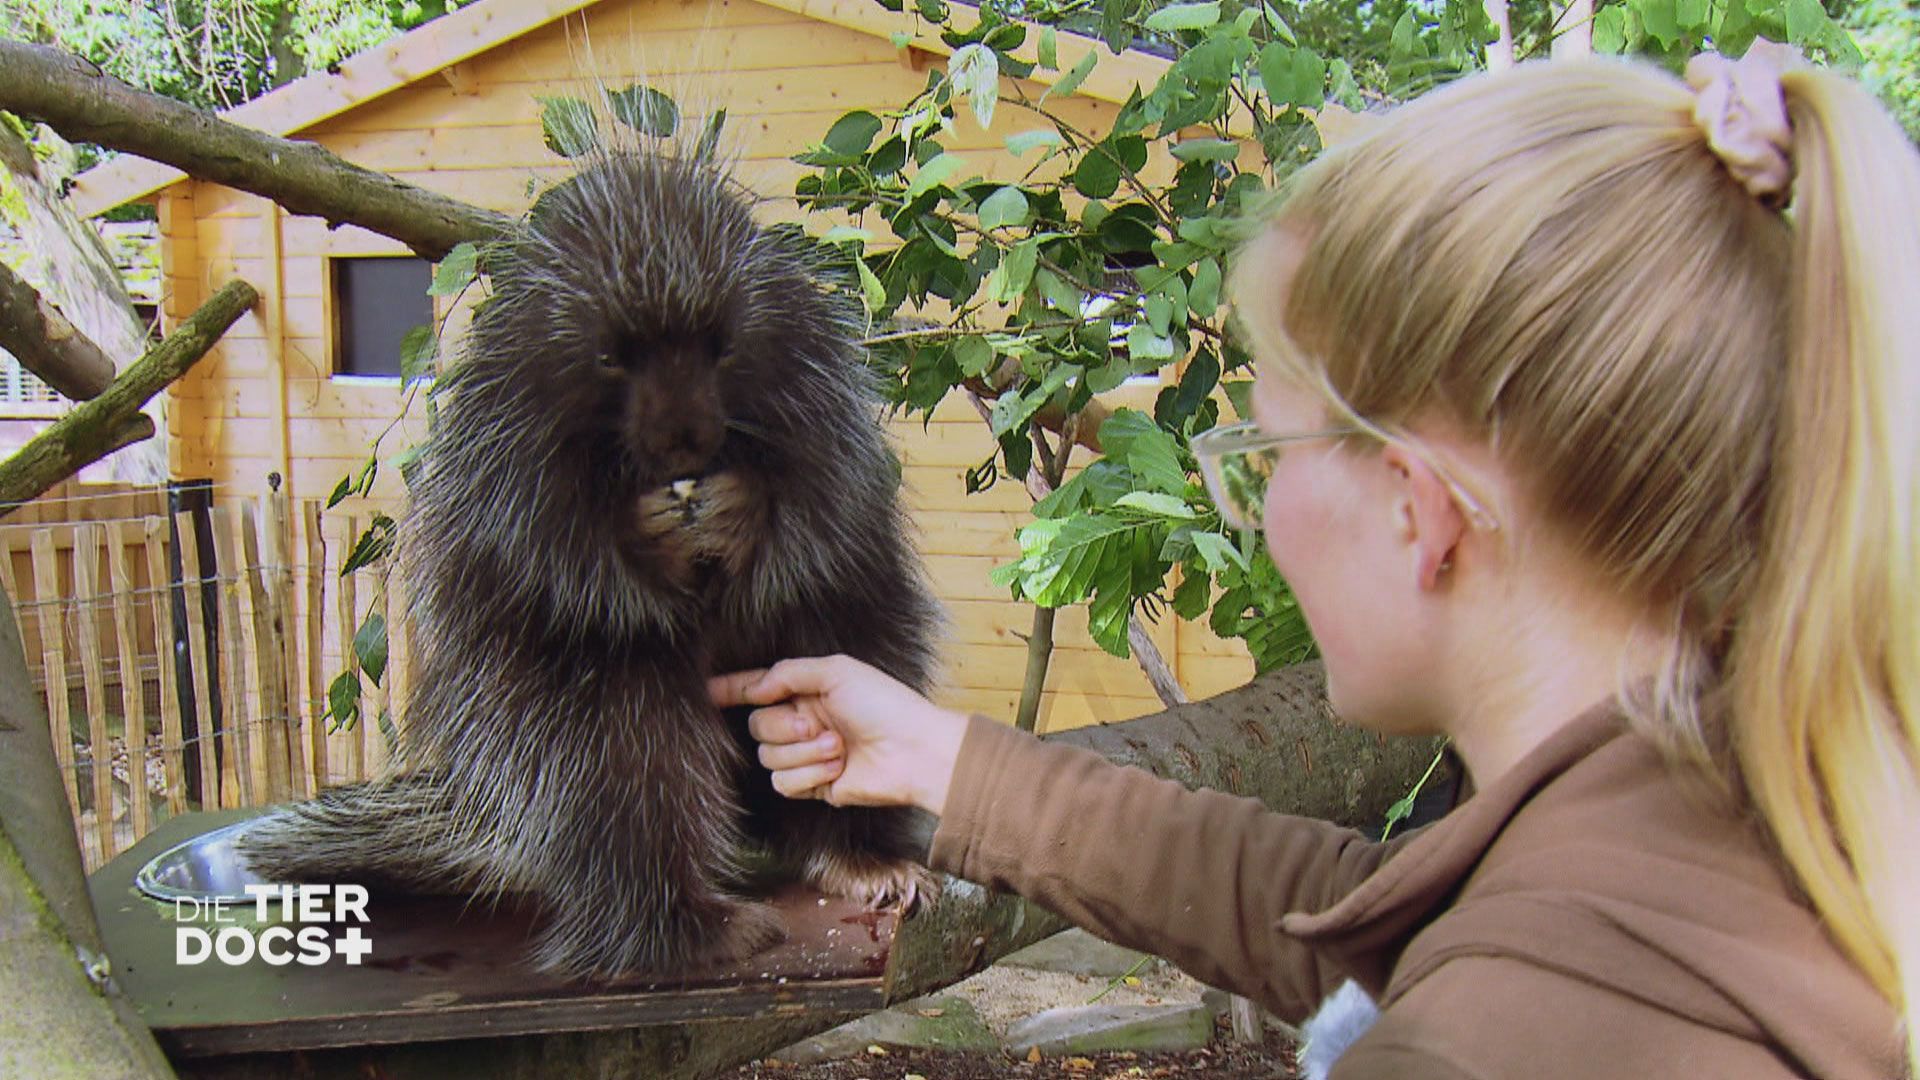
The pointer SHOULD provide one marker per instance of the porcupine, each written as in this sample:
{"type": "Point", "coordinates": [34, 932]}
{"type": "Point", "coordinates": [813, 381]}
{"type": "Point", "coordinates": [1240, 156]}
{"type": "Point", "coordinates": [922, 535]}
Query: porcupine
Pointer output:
{"type": "Point", "coordinates": [659, 458]}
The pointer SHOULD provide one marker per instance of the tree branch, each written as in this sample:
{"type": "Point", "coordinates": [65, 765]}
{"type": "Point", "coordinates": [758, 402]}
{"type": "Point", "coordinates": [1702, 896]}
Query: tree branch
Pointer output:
{"type": "Point", "coordinates": [85, 104]}
{"type": "Point", "coordinates": [42, 339]}
{"type": "Point", "coordinates": [90, 431]}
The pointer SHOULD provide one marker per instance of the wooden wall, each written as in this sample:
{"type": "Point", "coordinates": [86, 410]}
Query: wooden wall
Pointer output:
{"type": "Point", "coordinates": [264, 401]}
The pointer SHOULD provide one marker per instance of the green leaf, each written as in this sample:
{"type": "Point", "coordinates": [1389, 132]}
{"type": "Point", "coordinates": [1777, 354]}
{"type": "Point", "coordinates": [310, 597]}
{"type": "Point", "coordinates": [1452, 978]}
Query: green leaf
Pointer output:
{"type": "Point", "coordinates": [1098, 175]}
{"type": "Point", "coordinates": [1065, 87]}
{"type": "Point", "coordinates": [568, 126]}
{"type": "Point", "coordinates": [408, 462]}
{"type": "Point", "coordinates": [343, 700]}
{"type": "Point", "coordinates": [1184, 17]}
{"type": "Point", "coordinates": [1049, 51]}
{"type": "Point", "coordinates": [1610, 30]}
{"type": "Point", "coordinates": [1004, 208]}
{"type": "Point", "coordinates": [873, 294]}
{"type": "Point", "coordinates": [418, 348]}
{"type": "Point", "coordinates": [1158, 504]}
{"type": "Point", "coordinates": [1279, 25]}
{"type": "Point", "coordinates": [1405, 32]}
{"type": "Point", "coordinates": [1205, 150]}
{"type": "Point", "coordinates": [853, 133]}
{"type": "Point", "coordinates": [340, 492]}
{"type": "Point", "coordinates": [1149, 452]}
{"type": "Point", "coordinates": [1196, 385]}
{"type": "Point", "coordinates": [975, 355]}
{"type": "Point", "coordinates": [1024, 141]}
{"type": "Point", "coordinates": [1063, 573]}
{"type": "Point", "coordinates": [1203, 296]}
{"type": "Point", "coordinates": [1159, 314]}
{"type": "Point", "coordinates": [900, 38]}
{"type": "Point", "coordinates": [1010, 279]}
{"type": "Point", "coordinates": [1148, 349]}
{"type": "Point", "coordinates": [1218, 552]}
{"type": "Point", "coordinates": [455, 271]}
{"type": "Point", "coordinates": [933, 174]}
{"type": "Point", "coordinates": [370, 646]}
{"type": "Point", "coordinates": [1344, 90]}
{"type": "Point", "coordinates": [710, 136]}
{"type": "Point", "coordinates": [1240, 395]}
{"type": "Point", "coordinates": [845, 234]}
{"type": "Point", "coordinates": [1190, 599]}
{"type": "Point", "coordinates": [1661, 19]}
{"type": "Point", "coordinates": [975, 73]}
{"type": "Point", "coordinates": [373, 544]}
{"type": "Point", "coordinates": [645, 110]}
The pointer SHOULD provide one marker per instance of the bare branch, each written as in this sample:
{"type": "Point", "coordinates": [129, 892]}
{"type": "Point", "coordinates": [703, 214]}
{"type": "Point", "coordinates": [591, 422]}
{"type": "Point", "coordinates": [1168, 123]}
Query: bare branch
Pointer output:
{"type": "Point", "coordinates": [42, 339]}
{"type": "Point", "coordinates": [90, 431]}
{"type": "Point", "coordinates": [83, 103]}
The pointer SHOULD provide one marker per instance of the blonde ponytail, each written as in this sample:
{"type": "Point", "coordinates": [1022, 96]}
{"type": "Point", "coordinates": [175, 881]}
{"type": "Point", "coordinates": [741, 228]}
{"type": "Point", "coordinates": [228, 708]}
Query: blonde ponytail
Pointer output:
{"type": "Point", "coordinates": [1823, 672]}
{"type": "Point", "coordinates": [1713, 401]}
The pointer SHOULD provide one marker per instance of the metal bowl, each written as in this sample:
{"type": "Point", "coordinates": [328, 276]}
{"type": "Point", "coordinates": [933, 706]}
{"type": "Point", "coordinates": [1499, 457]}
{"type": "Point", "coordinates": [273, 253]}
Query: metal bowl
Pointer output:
{"type": "Point", "coordinates": [204, 868]}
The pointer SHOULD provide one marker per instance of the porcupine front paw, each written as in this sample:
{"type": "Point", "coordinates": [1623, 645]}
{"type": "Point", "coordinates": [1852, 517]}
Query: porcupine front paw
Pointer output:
{"type": "Point", "coordinates": [874, 880]}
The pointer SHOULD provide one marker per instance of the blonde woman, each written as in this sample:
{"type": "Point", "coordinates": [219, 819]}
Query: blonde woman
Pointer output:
{"type": "Point", "coordinates": [1584, 437]}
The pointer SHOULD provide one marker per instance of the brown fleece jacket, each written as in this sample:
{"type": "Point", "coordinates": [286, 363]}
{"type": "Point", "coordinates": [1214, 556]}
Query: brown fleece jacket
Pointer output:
{"type": "Point", "coordinates": [1581, 916]}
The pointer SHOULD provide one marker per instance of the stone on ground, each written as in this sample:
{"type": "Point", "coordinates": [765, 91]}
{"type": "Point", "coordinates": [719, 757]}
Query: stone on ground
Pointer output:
{"type": "Point", "coordinates": [1085, 1029]}
{"type": "Point", "coordinates": [936, 1023]}
{"type": "Point", "coordinates": [1076, 952]}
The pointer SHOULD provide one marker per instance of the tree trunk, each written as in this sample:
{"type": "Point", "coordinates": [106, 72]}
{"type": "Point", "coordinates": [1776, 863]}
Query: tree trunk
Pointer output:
{"type": "Point", "coordinates": [1500, 52]}
{"type": "Point", "coordinates": [85, 104]}
{"type": "Point", "coordinates": [40, 337]}
{"type": "Point", "coordinates": [91, 429]}
{"type": "Point", "coordinates": [58, 1021]}
{"type": "Point", "coordinates": [81, 278]}
{"type": "Point", "coordinates": [1573, 29]}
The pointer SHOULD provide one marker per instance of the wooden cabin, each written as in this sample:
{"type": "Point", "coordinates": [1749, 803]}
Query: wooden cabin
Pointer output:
{"type": "Point", "coordinates": [302, 386]}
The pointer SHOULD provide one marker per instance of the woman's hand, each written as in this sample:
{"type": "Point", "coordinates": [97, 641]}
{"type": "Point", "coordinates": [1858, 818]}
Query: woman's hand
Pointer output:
{"type": "Point", "coordinates": [836, 729]}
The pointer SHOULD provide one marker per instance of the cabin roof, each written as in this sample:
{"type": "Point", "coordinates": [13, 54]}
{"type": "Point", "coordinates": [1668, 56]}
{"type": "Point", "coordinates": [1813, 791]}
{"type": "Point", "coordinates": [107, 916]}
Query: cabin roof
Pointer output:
{"type": "Point", "coordinates": [478, 27]}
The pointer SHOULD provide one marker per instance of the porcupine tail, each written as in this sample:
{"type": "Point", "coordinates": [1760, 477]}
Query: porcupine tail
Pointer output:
{"type": "Point", "coordinates": [394, 832]}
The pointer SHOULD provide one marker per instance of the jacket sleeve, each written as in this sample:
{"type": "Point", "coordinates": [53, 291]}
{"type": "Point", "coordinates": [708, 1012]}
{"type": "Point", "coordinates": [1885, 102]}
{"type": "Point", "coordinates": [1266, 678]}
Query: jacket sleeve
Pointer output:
{"type": "Point", "coordinates": [1199, 877]}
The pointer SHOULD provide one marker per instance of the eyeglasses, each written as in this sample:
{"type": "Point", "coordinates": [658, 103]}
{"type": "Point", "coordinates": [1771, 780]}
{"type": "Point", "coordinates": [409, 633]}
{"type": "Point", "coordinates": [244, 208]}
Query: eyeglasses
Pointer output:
{"type": "Point", "coordinates": [1237, 460]}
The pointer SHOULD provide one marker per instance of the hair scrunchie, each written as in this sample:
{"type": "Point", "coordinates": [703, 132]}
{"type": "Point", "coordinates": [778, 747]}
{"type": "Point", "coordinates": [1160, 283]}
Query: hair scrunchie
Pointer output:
{"type": "Point", "coordinates": [1742, 110]}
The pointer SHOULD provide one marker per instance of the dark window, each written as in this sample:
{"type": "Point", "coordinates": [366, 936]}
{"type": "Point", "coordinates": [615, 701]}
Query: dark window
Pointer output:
{"type": "Point", "coordinates": [375, 303]}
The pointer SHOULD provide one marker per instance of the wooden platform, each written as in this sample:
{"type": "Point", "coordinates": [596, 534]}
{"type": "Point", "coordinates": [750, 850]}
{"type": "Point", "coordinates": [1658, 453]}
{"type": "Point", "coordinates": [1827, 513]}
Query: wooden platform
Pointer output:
{"type": "Point", "coordinates": [440, 969]}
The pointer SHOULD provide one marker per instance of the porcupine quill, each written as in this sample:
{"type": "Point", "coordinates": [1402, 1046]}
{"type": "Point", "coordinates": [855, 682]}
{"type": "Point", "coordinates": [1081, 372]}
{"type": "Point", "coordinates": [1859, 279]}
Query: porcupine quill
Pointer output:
{"type": "Point", "coordinates": [659, 458]}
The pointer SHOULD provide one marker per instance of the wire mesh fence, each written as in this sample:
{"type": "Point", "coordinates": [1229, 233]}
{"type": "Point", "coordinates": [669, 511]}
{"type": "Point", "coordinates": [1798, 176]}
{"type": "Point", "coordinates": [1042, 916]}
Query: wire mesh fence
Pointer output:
{"type": "Point", "coordinates": [185, 649]}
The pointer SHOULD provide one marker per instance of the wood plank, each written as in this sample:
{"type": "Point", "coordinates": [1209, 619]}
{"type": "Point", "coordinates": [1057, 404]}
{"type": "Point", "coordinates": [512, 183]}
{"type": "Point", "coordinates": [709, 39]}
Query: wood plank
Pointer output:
{"type": "Point", "coordinates": [167, 648]}
{"type": "Point", "coordinates": [200, 656]}
{"type": "Point", "coordinates": [1206, 676]}
{"type": "Point", "coordinates": [53, 659]}
{"type": "Point", "coordinates": [267, 656]}
{"type": "Point", "coordinates": [314, 621]}
{"type": "Point", "coordinates": [240, 773]}
{"type": "Point", "coordinates": [1058, 711]}
{"type": "Point", "coordinates": [87, 599]}
{"type": "Point", "coordinates": [133, 707]}
{"type": "Point", "coordinates": [964, 577]}
{"type": "Point", "coordinates": [7, 582]}
{"type": "Point", "coordinates": [279, 574]}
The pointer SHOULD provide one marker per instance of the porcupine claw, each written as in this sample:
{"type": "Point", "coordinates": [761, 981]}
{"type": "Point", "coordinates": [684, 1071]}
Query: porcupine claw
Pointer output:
{"type": "Point", "coordinates": [876, 882]}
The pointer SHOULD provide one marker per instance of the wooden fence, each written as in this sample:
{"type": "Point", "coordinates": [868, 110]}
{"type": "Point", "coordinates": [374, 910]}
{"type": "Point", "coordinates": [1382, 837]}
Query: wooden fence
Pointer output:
{"type": "Point", "coordinates": [192, 651]}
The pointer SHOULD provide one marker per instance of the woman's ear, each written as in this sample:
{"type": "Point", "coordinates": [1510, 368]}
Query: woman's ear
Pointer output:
{"type": "Point", "coordinates": [1428, 520]}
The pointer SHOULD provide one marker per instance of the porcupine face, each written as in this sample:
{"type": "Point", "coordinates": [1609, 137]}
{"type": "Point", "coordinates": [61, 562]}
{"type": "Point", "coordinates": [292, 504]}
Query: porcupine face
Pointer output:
{"type": "Point", "coordinates": [661, 355]}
